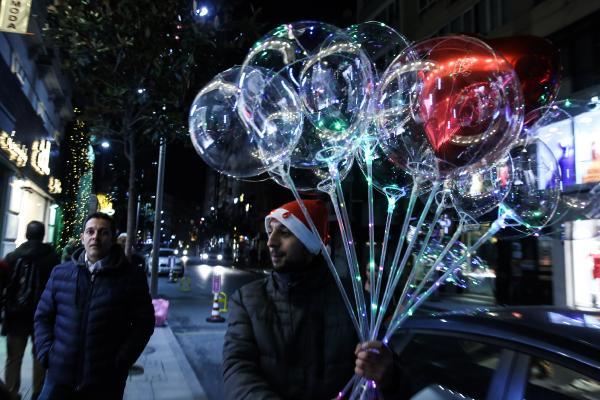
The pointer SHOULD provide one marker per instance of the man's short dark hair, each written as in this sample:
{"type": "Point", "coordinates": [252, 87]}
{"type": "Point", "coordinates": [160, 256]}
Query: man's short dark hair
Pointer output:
{"type": "Point", "coordinates": [35, 231]}
{"type": "Point", "coordinates": [101, 215]}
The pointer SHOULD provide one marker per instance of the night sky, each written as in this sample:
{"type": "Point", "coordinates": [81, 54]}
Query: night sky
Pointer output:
{"type": "Point", "coordinates": [185, 170]}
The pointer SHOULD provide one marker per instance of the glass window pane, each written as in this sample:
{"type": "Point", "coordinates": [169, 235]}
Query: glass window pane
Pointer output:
{"type": "Point", "coordinates": [551, 381]}
{"type": "Point", "coordinates": [461, 365]}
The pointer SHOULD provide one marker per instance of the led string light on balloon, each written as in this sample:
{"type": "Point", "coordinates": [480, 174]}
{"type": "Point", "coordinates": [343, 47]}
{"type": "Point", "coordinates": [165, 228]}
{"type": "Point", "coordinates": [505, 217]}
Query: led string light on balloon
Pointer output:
{"type": "Point", "coordinates": [430, 118]}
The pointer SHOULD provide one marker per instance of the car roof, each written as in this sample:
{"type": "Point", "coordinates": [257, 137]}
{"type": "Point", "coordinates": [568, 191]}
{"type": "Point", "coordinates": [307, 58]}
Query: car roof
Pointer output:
{"type": "Point", "coordinates": [569, 332]}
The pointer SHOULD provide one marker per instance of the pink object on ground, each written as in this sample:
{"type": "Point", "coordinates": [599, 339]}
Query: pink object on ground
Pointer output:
{"type": "Point", "coordinates": [161, 309]}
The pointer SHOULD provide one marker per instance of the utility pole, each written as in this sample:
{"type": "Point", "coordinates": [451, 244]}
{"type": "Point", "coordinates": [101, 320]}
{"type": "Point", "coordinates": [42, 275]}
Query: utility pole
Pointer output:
{"type": "Point", "coordinates": [157, 217]}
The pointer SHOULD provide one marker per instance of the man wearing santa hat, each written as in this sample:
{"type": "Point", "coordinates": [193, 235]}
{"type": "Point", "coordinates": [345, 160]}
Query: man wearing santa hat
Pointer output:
{"type": "Point", "coordinates": [289, 335]}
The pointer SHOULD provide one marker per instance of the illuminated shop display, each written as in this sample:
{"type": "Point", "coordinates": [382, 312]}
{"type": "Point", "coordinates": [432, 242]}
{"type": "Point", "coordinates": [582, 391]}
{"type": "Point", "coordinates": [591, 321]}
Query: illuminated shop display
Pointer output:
{"type": "Point", "coordinates": [574, 140]}
{"type": "Point", "coordinates": [583, 263]}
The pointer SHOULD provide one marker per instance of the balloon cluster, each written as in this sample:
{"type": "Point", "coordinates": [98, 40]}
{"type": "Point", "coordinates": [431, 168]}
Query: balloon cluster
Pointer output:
{"type": "Point", "coordinates": [455, 121]}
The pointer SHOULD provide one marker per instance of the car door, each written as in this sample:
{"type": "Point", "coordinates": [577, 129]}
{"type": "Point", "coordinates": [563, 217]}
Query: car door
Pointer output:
{"type": "Point", "coordinates": [465, 365]}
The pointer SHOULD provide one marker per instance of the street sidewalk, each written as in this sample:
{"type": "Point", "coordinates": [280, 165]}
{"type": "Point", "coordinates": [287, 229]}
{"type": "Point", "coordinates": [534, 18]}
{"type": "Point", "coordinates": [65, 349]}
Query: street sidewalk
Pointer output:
{"type": "Point", "coordinates": [167, 375]}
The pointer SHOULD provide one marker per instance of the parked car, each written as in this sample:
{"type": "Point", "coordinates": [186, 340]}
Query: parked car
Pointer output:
{"type": "Point", "coordinates": [502, 354]}
{"type": "Point", "coordinates": [164, 254]}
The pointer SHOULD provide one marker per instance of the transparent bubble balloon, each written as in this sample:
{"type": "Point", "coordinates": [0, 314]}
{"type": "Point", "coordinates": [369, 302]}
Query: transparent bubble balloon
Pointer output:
{"type": "Point", "coordinates": [387, 175]}
{"type": "Point", "coordinates": [336, 87]}
{"type": "Point", "coordinates": [469, 273]}
{"type": "Point", "coordinates": [218, 135]}
{"type": "Point", "coordinates": [284, 50]}
{"type": "Point", "coordinates": [477, 191]}
{"type": "Point", "coordinates": [460, 98]}
{"type": "Point", "coordinates": [313, 179]}
{"type": "Point", "coordinates": [271, 112]}
{"type": "Point", "coordinates": [401, 136]}
{"type": "Point", "coordinates": [535, 191]}
{"type": "Point", "coordinates": [249, 147]}
{"type": "Point", "coordinates": [380, 42]}
{"type": "Point", "coordinates": [570, 129]}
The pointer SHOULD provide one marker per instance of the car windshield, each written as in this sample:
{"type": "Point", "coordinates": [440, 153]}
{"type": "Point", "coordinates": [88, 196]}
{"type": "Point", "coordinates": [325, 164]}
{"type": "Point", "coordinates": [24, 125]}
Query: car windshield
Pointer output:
{"type": "Point", "coordinates": [165, 253]}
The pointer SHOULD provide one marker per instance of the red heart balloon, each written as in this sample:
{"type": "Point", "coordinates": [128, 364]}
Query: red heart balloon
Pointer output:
{"type": "Point", "coordinates": [469, 101]}
{"type": "Point", "coordinates": [537, 64]}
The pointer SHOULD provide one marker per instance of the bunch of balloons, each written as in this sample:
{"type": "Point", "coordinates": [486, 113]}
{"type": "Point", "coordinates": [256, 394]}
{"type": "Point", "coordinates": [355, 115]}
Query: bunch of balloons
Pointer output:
{"type": "Point", "coordinates": [455, 121]}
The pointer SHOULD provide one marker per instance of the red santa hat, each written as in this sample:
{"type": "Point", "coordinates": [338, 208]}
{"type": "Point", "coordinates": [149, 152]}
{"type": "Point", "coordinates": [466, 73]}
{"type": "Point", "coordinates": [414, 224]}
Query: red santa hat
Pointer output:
{"type": "Point", "coordinates": [291, 216]}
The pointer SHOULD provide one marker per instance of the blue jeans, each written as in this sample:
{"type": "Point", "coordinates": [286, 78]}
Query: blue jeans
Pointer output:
{"type": "Point", "coordinates": [55, 391]}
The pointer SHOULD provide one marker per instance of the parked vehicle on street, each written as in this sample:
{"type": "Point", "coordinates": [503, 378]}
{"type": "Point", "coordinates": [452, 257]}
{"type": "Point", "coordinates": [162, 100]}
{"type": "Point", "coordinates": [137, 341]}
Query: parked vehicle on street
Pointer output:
{"type": "Point", "coordinates": [164, 265]}
{"type": "Point", "coordinates": [502, 354]}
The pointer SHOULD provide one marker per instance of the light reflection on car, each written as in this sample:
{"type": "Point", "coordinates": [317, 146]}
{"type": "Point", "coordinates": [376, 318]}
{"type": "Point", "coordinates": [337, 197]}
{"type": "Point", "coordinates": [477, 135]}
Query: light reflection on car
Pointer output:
{"type": "Point", "coordinates": [528, 353]}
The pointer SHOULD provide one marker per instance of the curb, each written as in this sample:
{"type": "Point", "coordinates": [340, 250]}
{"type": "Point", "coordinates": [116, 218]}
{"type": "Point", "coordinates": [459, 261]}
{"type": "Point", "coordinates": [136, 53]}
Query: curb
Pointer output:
{"type": "Point", "coordinates": [188, 373]}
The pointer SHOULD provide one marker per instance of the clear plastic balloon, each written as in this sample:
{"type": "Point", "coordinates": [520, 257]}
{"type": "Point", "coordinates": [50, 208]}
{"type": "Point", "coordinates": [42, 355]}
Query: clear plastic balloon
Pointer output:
{"type": "Point", "coordinates": [470, 272]}
{"type": "Point", "coordinates": [271, 112]}
{"type": "Point", "coordinates": [223, 141]}
{"type": "Point", "coordinates": [336, 87]}
{"type": "Point", "coordinates": [284, 50]}
{"type": "Point", "coordinates": [569, 130]}
{"type": "Point", "coordinates": [313, 179]}
{"type": "Point", "coordinates": [387, 174]}
{"type": "Point", "coordinates": [459, 97]}
{"type": "Point", "coordinates": [477, 191]}
{"type": "Point", "coordinates": [535, 191]}
{"type": "Point", "coordinates": [218, 135]}
{"type": "Point", "coordinates": [380, 42]}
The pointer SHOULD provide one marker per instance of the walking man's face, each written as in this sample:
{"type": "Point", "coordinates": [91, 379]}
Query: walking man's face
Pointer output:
{"type": "Point", "coordinates": [97, 238]}
{"type": "Point", "coordinates": [287, 252]}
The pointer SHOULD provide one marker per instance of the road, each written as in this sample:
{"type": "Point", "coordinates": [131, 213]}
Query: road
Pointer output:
{"type": "Point", "coordinates": [201, 341]}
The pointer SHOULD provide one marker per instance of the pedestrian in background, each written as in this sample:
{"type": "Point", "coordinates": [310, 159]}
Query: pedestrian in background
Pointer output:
{"type": "Point", "coordinates": [289, 335]}
{"type": "Point", "coordinates": [134, 258]}
{"type": "Point", "coordinates": [27, 271]}
{"type": "Point", "coordinates": [94, 319]}
{"type": "Point", "coordinates": [72, 245]}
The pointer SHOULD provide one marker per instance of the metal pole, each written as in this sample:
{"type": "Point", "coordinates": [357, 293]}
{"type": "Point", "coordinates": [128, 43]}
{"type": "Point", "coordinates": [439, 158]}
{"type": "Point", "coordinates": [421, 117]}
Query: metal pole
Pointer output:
{"type": "Point", "coordinates": [156, 237]}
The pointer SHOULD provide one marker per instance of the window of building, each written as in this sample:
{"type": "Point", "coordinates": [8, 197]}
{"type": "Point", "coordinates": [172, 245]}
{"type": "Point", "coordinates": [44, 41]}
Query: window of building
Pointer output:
{"type": "Point", "coordinates": [489, 15]}
{"type": "Point", "coordinates": [425, 4]}
{"type": "Point", "coordinates": [17, 69]}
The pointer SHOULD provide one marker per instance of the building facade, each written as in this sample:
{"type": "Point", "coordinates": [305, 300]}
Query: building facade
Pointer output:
{"type": "Point", "coordinates": [35, 105]}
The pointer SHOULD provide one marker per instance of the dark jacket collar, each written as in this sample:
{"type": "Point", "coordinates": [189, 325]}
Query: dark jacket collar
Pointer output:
{"type": "Point", "coordinates": [316, 274]}
{"type": "Point", "coordinates": [115, 258]}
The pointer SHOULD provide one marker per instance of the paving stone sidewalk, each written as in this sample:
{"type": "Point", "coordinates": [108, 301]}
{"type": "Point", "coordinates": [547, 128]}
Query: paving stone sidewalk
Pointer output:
{"type": "Point", "coordinates": [167, 374]}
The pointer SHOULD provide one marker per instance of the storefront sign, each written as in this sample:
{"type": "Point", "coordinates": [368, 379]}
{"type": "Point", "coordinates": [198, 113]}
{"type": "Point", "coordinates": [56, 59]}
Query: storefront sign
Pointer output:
{"type": "Point", "coordinates": [105, 205]}
{"type": "Point", "coordinates": [54, 186]}
{"type": "Point", "coordinates": [16, 151]}
{"type": "Point", "coordinates": [40, 156]}
{"type": "Point", "coordinates": [14, 15]}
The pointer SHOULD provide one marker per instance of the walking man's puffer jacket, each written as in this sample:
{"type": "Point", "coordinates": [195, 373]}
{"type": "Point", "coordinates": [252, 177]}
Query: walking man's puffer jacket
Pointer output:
{"type": "Point", "coordinates": [90, 328]}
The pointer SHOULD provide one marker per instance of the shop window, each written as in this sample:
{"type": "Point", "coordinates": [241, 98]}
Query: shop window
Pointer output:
{"type": "Point", "coordinates": [548, 380]}
{"type": "Point", "coordinates": [425, 4]}
{"type": "Point", "coordinates": [17, 69]}
{"type": "Point", "coordinates": [457, 364]}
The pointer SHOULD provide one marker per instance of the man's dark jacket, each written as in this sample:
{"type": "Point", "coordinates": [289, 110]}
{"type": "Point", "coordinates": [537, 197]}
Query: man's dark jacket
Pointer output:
{"type": "Point", "coordinates": [44, 258]}
{"type": "Point", "coordinates": [89, 329]}
{"type": "Point", "coordinates": [289, 337]}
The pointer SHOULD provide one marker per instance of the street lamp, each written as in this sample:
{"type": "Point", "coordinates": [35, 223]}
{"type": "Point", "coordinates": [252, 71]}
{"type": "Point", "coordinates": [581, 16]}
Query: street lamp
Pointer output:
{"type": "Point", "coordinates": [105, 144]}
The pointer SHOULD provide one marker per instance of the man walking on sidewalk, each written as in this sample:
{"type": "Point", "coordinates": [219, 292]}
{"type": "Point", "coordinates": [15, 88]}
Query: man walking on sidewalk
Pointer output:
{"type": "Point", "coordinates": [28, 269]}
{"type": "Point", "coordinates": [94, 319]}
{"type": "Point", "coordinates": [289, 335]}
